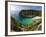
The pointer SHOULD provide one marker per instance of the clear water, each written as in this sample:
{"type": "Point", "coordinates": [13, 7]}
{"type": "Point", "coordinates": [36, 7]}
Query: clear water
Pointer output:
{"type": "Point", "coordinates": [26, 21]}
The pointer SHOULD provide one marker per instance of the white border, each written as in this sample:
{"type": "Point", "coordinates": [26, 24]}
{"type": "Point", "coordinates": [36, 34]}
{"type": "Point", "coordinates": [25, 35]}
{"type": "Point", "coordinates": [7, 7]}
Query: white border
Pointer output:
{"type": "Point", "coordinates": [30, 32]}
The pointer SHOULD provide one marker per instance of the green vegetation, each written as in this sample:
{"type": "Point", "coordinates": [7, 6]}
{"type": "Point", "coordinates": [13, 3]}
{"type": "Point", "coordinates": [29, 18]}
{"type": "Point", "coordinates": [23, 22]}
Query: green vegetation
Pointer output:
{"type": "Point", "coordinates": [16, 26]}
{"type": "Point", "coordinates": [27, 23]}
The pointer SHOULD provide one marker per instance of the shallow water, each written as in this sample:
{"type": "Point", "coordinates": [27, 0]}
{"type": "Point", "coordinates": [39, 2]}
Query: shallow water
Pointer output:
{"type": "Point", "coordinates": [24, 21]}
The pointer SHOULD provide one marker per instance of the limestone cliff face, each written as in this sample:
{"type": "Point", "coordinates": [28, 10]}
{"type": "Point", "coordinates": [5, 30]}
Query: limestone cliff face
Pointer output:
{"type": "Point", "coordinates": [30, 13]}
